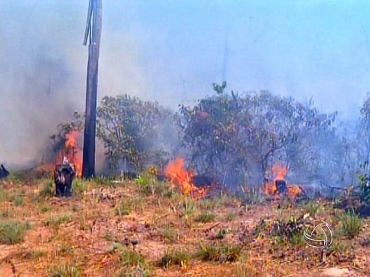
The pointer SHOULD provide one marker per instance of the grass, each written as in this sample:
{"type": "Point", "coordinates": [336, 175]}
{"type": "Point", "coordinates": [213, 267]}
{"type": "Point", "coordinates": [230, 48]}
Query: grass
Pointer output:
{"type": "Point", "coordinates": [46, 191]}
{"type": "Point", "coordinates": [37, 254]}
{"type": "Point", "coordinates": [79, 187]}
{"type": "Point", "coordinates": [209, 204]}
{"type": "Point", "coordinates": [65, 250]}
{"type": "Point", "coordinates": [172, 241]}
{"type": "Point", "coordinates": [7, 213]}
{"type": "Point", "coordinates": [130, 258]}
{"type": "Point", "coordinates": [188, 208]}
{"type": "Point", "coordinates": [124, 208]}
{"type": "Point", "coordinates": [297, 239]}
{"type": "Point", "coordinates": [64, 270]}
{"type": "Point", "coordinates": [133, 263]}
{"type": "Point", "coordinates": [205, 217]}
{"type": "Point", "coordinates": [219, 252]}
{"type": "Point", "coordinates": [167, 233]}
{"type": "Point", "coordinates": [312, 208]}
{"type": "Point", "coordinates": [2, 195]}
{"type": "Point", "coordinates": [148, 186]}
{"type": "Point", "coordinates": [222, 233]}
{"type": "Point", "coordinates": [44, 208]}
{"type": "Point", "coordinates": [350, 224]}
{"type": "Point", "coordinates": [251, 196]}
{"type": "Point", "coordinates": [18, 201]}
{"type": "Point", "coordinates": [174, 257]}
{"type": "Point", "coordinates": [13, 232]}
{"type": "Point", "coordinates": [56, 220]}
{"type": "Point", "coordinates": [231, 215]}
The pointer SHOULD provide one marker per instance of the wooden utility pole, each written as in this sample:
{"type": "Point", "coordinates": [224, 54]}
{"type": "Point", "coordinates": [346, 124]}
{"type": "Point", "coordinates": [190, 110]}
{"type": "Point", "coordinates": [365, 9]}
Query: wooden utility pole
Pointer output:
{"type": "Point", "coordinates": [92, 34]}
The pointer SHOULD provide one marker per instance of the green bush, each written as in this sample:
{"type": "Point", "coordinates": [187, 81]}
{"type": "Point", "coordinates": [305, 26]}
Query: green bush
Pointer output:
{"type": "Point", "coordinates": [206, 217]}
{"type": "Point", "coordinates": [219, 252]}
{"type": "Point", "coordinates": [78, 186]}
{"type": "Point", "coordinates": [13, 232]}
{"type": "Point", "coordinates": [350, 224]}
{"type": "Point", "coordinates": [364, 182]}
{"type": "Point", "coordinates": [47, 190]}
{"type": "Point", "coordinates": [175, 257]}
{"type": "Point", "coordinates": [18, 201]}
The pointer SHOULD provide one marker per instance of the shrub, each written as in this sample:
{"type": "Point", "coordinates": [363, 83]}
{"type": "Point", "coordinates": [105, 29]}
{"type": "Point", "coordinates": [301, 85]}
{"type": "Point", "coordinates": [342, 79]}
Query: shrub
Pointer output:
{"type": "Point", "coordinates": [13, 232]}
{"type": "Point", "coordinates": [18, 201]}
{"type": "Point", "coordinates": [47, 190]}
{"type": "Point", "coordinates": [219, 252]}
{"type": "Point", "coordinates": [350, 224]}
{"type": "Point", "coordinates": [64, 270]}
{"type": "Point", "coordinates": [175, 257]}
{"type": "Point", "coordinates": [205, 217]}
{"type": "Point", "coordinates": [364, 182]}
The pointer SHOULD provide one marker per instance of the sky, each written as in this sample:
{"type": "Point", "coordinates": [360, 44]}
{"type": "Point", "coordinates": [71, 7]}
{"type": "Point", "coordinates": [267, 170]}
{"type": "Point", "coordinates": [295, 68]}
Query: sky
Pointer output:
{"type": "Point", "coordinates": [172, 52]}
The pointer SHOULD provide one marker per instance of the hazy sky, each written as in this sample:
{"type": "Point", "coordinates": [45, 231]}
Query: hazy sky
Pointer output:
{"type": "Point", "coordinates": [172, 52]}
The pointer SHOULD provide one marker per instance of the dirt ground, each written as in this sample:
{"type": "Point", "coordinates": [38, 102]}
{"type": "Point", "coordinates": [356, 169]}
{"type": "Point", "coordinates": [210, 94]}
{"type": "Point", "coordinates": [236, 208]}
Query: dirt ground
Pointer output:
{"type": "Point", "coordinates": [127, 230]}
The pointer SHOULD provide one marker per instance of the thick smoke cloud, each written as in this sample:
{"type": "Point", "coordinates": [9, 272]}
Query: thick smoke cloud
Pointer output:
{"type": "Point", "coordinates": [172, 52]}
{"type": "Point", "coordinates": [43, 75]}
{"type": "Point", "coordinates": [39, 85]}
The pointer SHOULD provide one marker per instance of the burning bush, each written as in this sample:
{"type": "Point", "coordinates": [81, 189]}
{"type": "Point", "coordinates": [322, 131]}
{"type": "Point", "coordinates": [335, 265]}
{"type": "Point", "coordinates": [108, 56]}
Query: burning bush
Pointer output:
{"type": "Point", "coordinates": [66, 146]}
{"type": "Point", "coordinates": [238, 136]}
{"type": "Point", "coordinates": [278, 187]}
{"type": "Point", "coordinates": [182, 178]}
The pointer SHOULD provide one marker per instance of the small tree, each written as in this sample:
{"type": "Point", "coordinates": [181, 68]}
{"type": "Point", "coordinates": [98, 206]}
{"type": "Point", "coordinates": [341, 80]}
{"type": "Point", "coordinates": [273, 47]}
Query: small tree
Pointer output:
{"type": "Point", "coordinates": [244, 135]}
{"type": "Point", "coordinates": [130, 128]}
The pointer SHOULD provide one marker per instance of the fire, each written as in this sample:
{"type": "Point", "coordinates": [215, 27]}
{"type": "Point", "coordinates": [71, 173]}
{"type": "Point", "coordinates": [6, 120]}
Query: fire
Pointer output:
{"type": "Point", "coordinates": [293, 191]}
{"type": "Point", "coordinates": [72, 152]}
{"type": "Point", "coordinates": [279, 173]}
{"type": "Point", "coordinates": [178, 176]}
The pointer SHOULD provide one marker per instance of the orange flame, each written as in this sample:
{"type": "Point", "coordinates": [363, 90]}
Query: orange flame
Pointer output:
{"type": "Point", "coordinates": [279, 173]}
{"type": "Point", "coordinates": [72, 152]}
{"type": "Point", "coordinates": [293, 191]}
{"type": "Point", "coordinates": [175, 173]}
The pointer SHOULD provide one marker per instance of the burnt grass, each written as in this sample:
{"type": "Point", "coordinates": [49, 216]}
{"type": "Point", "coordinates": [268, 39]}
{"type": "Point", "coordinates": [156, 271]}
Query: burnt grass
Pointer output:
{"type": "Point", "coordinates": [120, 229]}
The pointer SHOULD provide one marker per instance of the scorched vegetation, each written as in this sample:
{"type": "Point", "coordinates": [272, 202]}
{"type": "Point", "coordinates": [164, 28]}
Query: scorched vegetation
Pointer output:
{"type": "Point", "coordinates": [227, 187]}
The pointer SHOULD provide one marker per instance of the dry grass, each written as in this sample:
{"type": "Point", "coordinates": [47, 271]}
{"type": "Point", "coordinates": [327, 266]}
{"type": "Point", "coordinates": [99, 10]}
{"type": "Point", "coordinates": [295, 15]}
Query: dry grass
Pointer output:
{"type": "Point", "coordinates": [149, 229]}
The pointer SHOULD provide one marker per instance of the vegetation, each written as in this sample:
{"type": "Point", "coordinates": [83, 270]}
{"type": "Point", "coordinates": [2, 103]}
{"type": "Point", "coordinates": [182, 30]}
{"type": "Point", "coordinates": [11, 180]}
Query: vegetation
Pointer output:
{"type": "Point", "coordinates": [205, 217]}
{"type": "Point", "coordinates": [13, 232]}
{"type": "Point", "coordinates": [146, 227]}
{"type": "Point", "coordinates": [128, 128]}
{"type": "Point", "coordinates": [236, 137]}
{"type": "Point", "coordinates": [219, 252]}
{"type": "Point", "coordinates": [64, 270]}
{"type": "Point", "coordinates": [174, 257]}
{"type": "Point", "coordinates": [229, 132]}
{"type": "Point", "coordinates": [350, 224]}
{"type": "Point", "coordinates": [125, 231]}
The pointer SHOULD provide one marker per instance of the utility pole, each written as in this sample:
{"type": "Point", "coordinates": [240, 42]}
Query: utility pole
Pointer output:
{"type": "Point", "coordinates": [93, 35]}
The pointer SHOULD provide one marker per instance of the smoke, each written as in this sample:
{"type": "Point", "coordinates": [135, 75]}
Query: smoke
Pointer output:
{"type": "Point", "coordinates": [171, 52]}
{"type": "Point", "coordinates": [43, 76]}
{"type": "Point", "coordinates": [37, 81]}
